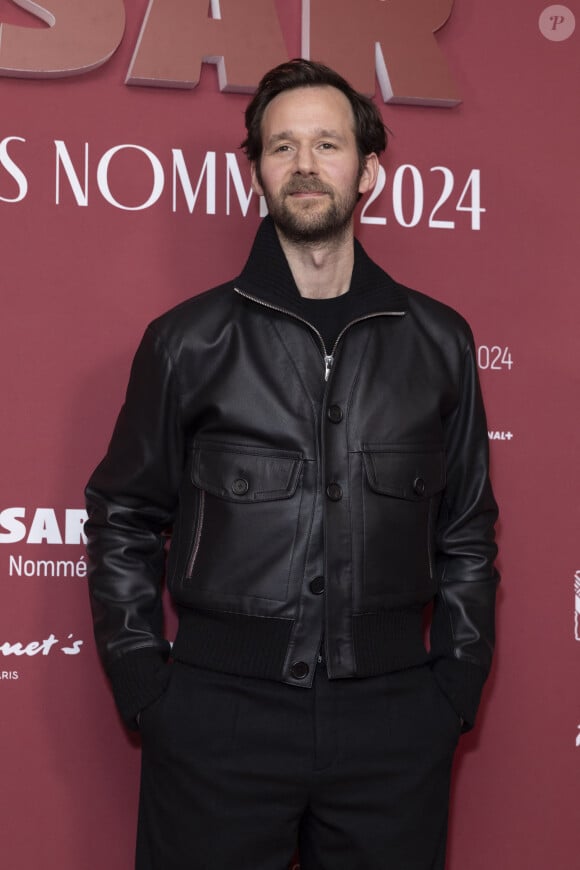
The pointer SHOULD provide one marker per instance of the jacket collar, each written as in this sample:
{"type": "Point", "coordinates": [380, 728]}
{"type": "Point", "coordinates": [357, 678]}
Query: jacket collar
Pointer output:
{"type": "Point", "coordinates": [268, 278]}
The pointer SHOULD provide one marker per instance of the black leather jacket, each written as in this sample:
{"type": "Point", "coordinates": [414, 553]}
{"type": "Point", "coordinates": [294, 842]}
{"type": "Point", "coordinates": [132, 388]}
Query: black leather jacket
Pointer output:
{"type": "Point", "coordinates": [308, 494]}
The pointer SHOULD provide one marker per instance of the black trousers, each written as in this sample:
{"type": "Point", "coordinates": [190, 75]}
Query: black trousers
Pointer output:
{"type": "Point", "coordinates": [236, 772]}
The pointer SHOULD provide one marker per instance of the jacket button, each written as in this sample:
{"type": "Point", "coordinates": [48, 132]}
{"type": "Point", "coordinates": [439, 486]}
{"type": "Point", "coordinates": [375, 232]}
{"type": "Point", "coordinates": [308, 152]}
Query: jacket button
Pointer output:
{"type": "Point", "coordinates": [240, 486]}
{"type": "Point", "coordinates": [299, 670]}
{"type": "Point", "coordinates": [317, 586]}
{"type": "Point", "coordinates": [334, 413]}
{"type": "Point", "coordinates": [419, 486]}
{"type": "Point", "coordinates": [334, 491]}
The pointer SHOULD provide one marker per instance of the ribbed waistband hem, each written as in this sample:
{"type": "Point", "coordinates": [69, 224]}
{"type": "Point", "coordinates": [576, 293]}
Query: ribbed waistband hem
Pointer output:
{"type": "Point", "coordinates": [256, 646]}
{"type": "Point", "coordinates": [253, 646]}
{"type": "Point", "coordinates": [388, 641]}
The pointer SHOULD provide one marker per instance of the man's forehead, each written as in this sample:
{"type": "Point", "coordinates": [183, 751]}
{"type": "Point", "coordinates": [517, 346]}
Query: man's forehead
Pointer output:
{"type": "Point", "coordinates": [314, 104]}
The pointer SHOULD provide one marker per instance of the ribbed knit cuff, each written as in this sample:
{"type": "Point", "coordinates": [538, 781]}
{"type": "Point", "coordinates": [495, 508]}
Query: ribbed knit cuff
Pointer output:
{"type": "Point", "coordinates": [462, 682]}
{"type": "Point", "coordinates": [138, 678]}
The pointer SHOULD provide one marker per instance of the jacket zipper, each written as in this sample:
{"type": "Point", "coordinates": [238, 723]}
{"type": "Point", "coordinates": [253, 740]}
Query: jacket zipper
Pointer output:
{"type": "Point", "coordinates": [328, 363]}
{"type": "Point", "coordinates": [327, 357]}
{"type": "Point", "coordinates": [197, 537]}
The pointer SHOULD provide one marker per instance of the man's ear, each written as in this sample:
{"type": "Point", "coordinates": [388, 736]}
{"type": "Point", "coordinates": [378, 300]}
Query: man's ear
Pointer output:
{"type": "Point", "coordinates": [256, 186]}
{"type": "Point", "coordinates": [369, 174]}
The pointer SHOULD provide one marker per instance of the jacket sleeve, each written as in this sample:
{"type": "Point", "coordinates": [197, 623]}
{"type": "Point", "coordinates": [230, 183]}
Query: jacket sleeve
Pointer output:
{"type": "Point", "coordinates": [462, 630]}
{"type": "Point", "coordinates": [131, 500]}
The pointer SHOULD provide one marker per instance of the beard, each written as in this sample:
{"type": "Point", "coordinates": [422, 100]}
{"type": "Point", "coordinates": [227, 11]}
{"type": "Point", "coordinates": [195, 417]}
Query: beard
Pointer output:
{"type": "Point", "coordinates": [316, 221]}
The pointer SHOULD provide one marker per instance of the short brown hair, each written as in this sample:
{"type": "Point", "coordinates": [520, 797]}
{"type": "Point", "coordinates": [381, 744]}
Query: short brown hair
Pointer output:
{"type": "Point", "coordinates": [370, 131]}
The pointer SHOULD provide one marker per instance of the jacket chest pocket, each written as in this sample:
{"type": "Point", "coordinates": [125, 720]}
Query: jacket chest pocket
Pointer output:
{"type": "Point", "coordinates": [402, 488]}
{"type": "Point", "coordinates": [243, 540]}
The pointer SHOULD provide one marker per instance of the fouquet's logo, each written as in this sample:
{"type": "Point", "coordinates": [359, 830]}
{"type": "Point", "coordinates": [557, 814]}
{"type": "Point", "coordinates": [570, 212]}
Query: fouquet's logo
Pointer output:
{"type": "Point", "coordinates": [44, 647]}
{"type": "Point", "coordinates": [244, 38]}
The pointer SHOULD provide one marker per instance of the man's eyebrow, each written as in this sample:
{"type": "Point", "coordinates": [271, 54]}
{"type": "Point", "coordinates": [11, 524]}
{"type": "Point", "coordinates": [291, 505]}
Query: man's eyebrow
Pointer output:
{"type": "Point", "coordinates": [320, 133]}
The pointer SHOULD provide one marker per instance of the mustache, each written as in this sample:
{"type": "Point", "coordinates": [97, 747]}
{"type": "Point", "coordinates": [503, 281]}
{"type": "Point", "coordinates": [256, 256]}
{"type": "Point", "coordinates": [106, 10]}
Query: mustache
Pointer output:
{"type": "Point", "coordinates": [306, 185]}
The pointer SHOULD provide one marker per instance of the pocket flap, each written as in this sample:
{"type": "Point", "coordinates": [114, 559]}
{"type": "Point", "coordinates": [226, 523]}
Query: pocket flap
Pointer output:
{"type": "Point", "coordinates": [245, 474]}
{"type": "Point", "coordinates": [413, 475]}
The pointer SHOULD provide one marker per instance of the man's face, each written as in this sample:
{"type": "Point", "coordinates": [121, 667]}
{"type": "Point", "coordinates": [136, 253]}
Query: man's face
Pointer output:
{"type": "Point", "coordinates": [310, 170]}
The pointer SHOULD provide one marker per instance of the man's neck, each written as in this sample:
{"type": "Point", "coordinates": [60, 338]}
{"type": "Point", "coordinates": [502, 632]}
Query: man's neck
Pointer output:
{"type": "Point", "coordinates": [321, 270]}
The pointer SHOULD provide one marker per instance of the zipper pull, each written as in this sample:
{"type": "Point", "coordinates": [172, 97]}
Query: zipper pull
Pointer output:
{"type": "Point", "coordinates": [328, 361]}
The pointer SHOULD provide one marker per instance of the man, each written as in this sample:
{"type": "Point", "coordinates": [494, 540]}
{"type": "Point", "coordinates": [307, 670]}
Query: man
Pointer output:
{"type": "Point", "coordinates": [313, 435]}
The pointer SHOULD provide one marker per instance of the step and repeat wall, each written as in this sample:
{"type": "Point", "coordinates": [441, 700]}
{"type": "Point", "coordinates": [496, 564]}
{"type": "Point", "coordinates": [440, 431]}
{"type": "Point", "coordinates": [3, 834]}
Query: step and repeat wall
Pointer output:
{"type": "Point", "coordinates": [123, 191]}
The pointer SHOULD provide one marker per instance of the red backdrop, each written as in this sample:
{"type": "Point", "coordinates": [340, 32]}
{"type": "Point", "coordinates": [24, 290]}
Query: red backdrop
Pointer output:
{"type": "Point", "coordinates": [87, 261]}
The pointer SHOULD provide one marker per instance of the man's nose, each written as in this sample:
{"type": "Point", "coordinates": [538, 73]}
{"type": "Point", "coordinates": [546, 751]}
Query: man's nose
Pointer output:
{"type": "Point", "coordinates": [305, 161]}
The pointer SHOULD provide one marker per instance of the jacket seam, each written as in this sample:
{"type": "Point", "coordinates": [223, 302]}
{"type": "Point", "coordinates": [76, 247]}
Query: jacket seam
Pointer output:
{"type": "Point", "coordinates": [442, 583]}
{"type": "Point", "coordinates": [176, 387]}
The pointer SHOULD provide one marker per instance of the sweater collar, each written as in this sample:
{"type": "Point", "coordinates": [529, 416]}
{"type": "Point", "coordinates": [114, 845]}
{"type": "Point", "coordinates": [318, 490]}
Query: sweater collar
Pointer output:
{"type": "Point", "coordinates": [267, 277]}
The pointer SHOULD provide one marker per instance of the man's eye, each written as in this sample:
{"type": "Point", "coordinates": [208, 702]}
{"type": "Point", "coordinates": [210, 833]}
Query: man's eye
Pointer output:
{"type": "Point", "coordinates": [327, 146]}
{"type": "Point", "coordinates": [282, 148]}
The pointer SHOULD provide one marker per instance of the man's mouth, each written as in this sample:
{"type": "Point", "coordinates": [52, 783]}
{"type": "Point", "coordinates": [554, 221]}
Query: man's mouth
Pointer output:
{"type": "Point", "coordinates": [306, 191]}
